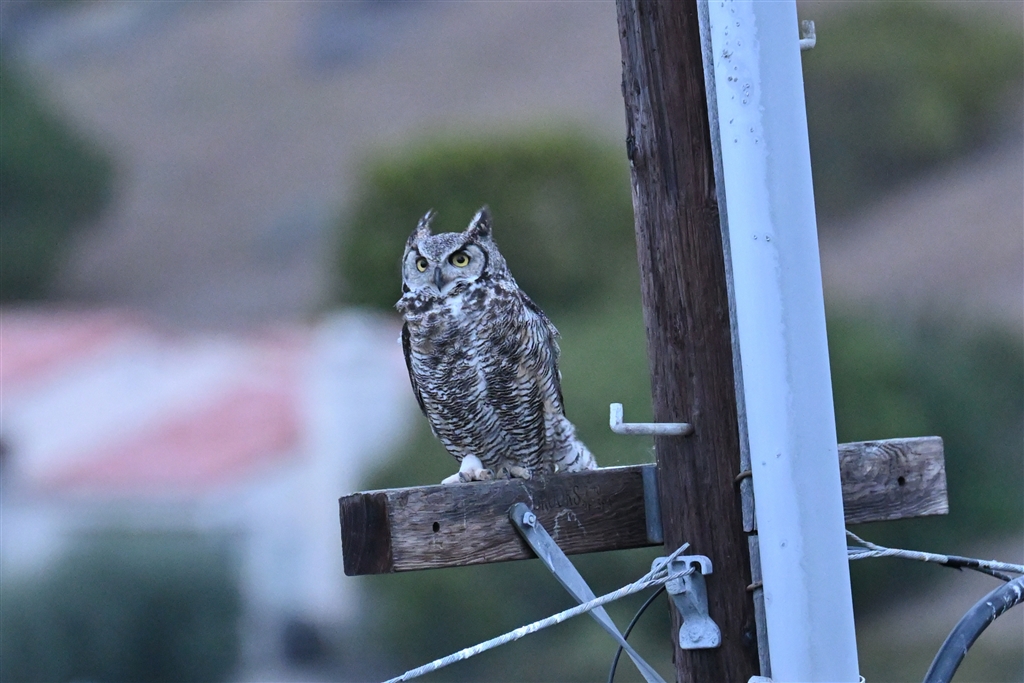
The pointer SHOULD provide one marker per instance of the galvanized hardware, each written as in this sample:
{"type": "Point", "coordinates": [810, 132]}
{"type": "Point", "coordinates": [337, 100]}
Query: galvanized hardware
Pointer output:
{"type": "Point", "coordinates": [646, 428]}
{"type": "Point", "coordinates": [525, 522]}
{"type": "Point", "coordinates": [652, 505]}
{"type": "Point", "coordinates": [807, 35]}
{"type": "Point", "coordinates": [690, 596]}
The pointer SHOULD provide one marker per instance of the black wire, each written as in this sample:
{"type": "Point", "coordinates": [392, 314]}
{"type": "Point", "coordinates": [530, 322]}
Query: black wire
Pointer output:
{"type": "Point", "coordinates": [970, 627]}
{"type": "Point", "coordinates": [636, 618]}
{"type": "Point", "coordinates": [991, 572]}
{"type": "Point", "coordinates": [957, 562]}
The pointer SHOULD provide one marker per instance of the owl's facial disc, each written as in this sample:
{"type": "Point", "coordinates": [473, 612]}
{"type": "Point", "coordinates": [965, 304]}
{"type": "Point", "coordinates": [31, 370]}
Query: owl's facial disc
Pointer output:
{"type": "Point", "coordinates": [441, 266]}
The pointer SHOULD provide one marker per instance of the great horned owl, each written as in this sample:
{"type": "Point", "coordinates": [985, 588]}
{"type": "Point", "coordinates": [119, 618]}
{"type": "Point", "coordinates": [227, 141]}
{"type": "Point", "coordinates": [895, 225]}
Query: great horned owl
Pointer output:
{"type": "Point", "coordinates": [483, 358]}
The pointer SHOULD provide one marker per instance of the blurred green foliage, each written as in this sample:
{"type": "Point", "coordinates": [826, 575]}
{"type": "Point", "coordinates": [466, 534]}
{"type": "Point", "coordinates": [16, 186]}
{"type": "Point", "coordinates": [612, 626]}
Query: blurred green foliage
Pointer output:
{"type": "Point", "coordinates": [894, 88]}
{"type": "Point", "coordinates": [560, 202]}
{"type": "Point", "coordinates": [131, 608]}
{"type": "Point", "coordinates": [51, 181]}
{"type": "Point", "coordinates": [963, 384]}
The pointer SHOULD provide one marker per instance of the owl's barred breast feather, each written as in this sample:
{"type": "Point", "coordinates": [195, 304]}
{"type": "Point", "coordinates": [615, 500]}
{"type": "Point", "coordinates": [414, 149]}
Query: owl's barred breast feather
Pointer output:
{"type": "Point", "coordinates": [483, 358]}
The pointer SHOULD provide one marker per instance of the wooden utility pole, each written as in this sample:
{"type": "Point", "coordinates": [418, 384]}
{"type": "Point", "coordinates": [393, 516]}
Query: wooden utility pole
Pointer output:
{"type": "Point", "coordinates": [686, 312]}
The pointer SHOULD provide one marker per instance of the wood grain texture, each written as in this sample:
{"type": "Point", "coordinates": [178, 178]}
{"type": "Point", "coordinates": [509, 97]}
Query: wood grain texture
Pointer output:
{"type": "Point", "coordinates": [893, 479]}
{"type": "Point", "coordinates": [462, 524]}
{"type": "Point", "coordinates": [368, 550]}
{"type": "Point", "coordinates": [686, 312]}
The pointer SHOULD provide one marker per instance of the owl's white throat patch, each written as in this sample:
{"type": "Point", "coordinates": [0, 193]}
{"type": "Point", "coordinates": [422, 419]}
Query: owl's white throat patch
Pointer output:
{"type": "Point", "coordinates": [455, 302]}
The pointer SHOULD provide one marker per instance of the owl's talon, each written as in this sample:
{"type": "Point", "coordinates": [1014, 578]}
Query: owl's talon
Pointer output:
{"type": "Point", "coordinates": [519, 472]}
{"type": "Point", "coordinates": [471, 469]}
{"type": "Point", "coordinates": [466, 476]}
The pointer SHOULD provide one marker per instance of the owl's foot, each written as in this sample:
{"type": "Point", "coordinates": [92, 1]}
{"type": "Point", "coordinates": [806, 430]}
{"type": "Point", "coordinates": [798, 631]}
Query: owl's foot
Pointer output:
{"type": "Point", "coordinates": [513, 472]}
{"type": "Point", "coordinates": [476, 475]}
{"type": "Point", "coordinates": [471, 469]}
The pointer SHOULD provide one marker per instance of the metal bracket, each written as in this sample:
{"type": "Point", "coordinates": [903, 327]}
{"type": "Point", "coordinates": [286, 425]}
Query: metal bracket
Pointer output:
{"type": "Point", "coordinates": [690, 596]}
{"type": "Point", "coordinates": [807, 36]}
{"type": "Point", "coordinates": [526, 523]}
{"type": "Point", "coordinates": [648, 428]}
{"type": "Point", "coordinates": [652, 505]}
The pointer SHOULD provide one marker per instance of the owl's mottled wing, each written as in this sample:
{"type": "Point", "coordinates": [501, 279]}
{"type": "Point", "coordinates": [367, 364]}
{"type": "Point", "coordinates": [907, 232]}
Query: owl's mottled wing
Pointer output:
{"type": "Point", "coordinates": [550, 337]}
{"type": "Point", "coordinates": [407, 349]}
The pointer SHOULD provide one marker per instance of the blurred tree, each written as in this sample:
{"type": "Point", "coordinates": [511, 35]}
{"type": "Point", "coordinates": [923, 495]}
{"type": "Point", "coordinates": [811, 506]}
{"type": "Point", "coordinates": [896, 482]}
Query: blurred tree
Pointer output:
{"type": "Point", "coordinates": [52, 181]}
{"type": "Point", "coordinates": [895, 88]}
{"type": "Point", "coordinates": [965, 385]}
{"type": "Point", "coordinates": [157, 608]}
{"type": "Point", "coordinates": [561, 209]}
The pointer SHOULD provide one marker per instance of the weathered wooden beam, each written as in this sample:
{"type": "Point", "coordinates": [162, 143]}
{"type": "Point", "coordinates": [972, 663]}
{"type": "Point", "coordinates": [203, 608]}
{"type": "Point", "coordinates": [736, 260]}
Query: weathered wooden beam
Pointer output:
{"type": "Point", "coordinates": [424, 527]}
{"type": "Point", "coordinates": [893, 479]}
{"type": "Point", "coordinates": [427, 527]}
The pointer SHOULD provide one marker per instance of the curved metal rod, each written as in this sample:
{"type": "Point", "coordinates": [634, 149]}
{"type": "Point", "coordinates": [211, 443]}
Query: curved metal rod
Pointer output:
{"type": "Point", "coordinates": [970, 626]}
{"type": "Point", "coordinates": [647, 428]}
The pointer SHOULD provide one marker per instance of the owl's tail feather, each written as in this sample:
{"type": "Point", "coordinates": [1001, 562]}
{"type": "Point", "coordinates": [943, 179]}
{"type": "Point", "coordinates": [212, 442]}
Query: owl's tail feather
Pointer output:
{"type": "Point", "coordinates": [570, 454]}
{"type": "Point", "coordinates": [576, 457]}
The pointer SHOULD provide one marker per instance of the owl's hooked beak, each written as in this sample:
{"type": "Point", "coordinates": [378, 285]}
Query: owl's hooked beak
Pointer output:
{"type": "Point", "coordinates": [439, 279]}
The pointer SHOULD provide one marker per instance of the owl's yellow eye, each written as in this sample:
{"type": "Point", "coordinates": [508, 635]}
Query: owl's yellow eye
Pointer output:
{"type": "Point", "coordinates": [421, 264]}
{"type": "Point", "coordinates": [459, 259]}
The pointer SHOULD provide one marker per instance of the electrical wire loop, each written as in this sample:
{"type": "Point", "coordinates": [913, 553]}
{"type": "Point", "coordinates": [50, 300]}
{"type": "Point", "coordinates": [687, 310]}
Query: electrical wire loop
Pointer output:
{"type": "Point", "coordinates": [658, 576]}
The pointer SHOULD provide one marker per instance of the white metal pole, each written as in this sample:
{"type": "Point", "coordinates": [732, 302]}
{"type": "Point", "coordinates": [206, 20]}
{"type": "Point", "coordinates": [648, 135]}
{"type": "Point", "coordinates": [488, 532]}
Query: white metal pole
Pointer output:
{"type": "Point", "coordinates": [785, 387]}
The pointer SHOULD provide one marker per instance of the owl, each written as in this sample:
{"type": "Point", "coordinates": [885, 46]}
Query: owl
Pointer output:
{"type": "Point", "coordinates": [483, 358]}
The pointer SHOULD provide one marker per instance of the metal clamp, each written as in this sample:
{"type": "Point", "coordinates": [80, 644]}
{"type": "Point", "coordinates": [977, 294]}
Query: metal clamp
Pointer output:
{"type": "Point", "coordinates": [807, 36]}
{"type": "Point", "coordinates": [690, 596]}
{"type": "Point", "coordinates": [526, 523]}
{"type": "Point", "coordinates": [649, 428]}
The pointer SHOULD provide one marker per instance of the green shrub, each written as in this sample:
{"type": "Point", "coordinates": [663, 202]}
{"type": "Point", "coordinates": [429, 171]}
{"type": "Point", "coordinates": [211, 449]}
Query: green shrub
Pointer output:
{"type": "Point", "coordinates": [132, 608]}
{"type": "Point", "coordinates": [966, 386]}
{"type": "Point", "coordinates": [51, 182]}
{"type": "Point", "coordinates": [895, 88]}
{"type": "Point", "coordinates": [561, 207]}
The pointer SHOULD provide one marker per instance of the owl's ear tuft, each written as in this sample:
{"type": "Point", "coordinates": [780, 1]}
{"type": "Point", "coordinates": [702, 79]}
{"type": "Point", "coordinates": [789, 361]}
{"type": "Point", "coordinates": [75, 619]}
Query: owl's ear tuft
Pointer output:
{"type": "Point", "coordinates": [422, 228]}
{"type": "Point", "coordinates": [480, 226]}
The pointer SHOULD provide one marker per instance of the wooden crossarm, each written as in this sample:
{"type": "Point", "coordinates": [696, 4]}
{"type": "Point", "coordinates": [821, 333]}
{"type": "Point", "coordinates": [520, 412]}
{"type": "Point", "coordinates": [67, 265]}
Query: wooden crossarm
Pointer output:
{"type": "Point", "coordinates": [893, 479]}
{"type": "Point", "coordinates": [427, 527]}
